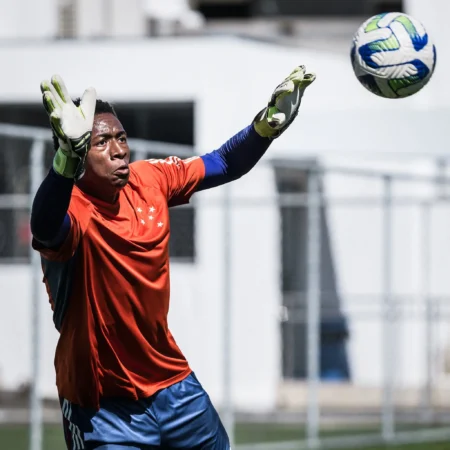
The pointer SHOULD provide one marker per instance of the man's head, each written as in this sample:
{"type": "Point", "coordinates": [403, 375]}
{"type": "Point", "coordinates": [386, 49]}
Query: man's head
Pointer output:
{"type": "Point", "coordinates": [109, 155]}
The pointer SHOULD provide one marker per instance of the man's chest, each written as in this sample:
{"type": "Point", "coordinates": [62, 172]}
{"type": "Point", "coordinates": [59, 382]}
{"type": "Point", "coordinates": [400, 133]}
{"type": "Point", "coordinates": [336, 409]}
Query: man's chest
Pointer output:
{"type": "Point", "coordinates": [142, 218]}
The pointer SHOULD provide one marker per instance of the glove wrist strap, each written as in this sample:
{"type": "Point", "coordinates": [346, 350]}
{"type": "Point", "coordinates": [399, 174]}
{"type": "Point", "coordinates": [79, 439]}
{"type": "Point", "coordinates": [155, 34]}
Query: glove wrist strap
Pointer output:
{"type": "Point", "coordinates": [261, 125]}
{"type": "Point", "coordinates": [65, 165]}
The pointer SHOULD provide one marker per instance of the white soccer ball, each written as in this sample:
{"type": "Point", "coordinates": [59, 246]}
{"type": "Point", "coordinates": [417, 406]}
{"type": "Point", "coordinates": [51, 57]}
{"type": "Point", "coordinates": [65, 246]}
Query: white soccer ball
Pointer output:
{"type": "Point", "coordinates": [392, 55]}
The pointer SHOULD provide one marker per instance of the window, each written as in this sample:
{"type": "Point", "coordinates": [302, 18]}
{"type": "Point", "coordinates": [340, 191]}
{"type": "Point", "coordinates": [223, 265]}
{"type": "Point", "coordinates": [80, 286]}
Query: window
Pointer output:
{"type": "Point", "coordinates": [341, 8]}
{"type": "Point", "coordinates": [224, 9]}
{"type": "Point", "coordinates": [294, 272]}
{"type": "Point", "coordinates": [164, 122]}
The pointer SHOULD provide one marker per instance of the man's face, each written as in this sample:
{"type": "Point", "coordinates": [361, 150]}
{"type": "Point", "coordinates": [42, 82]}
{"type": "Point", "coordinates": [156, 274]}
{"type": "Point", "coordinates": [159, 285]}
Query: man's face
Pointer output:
{"type": "Point", "coordinates": [107, 160]}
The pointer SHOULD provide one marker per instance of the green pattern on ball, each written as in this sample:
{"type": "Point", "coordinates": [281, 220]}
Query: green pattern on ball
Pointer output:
{"type": "Point", "coordinates": [399, 83]}
{"type": "Point", "coordinates": [388, 44]}
{"type": "Point", "coordinates": [373, 24]}
{"type": "Point", "coordinates": [409, 26]}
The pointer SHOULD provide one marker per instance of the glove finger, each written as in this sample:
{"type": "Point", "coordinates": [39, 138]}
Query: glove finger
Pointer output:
{"type": "Point", "coordinates": [297, 74]}
{"type": "Point", "coordinates": [307, 80]}
{"type": "Point", "coordinates": [60, 87]}
{"type": "Point", "coordinates": [50, 103]}
{"type": "Point", "coordinates": [88, 104]}
{"type": "Point", "coordinates": [47, 86]}
{"type": "Point", "coordinates": [285, 88]}
{"type": "Point", "coordinates": [288, 85]}
{"type": "Point", "coordinates": [55, 121]}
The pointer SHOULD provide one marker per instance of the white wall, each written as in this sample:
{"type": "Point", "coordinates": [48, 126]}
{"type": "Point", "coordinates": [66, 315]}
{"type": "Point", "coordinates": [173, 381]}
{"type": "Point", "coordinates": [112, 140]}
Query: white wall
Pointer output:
{"type": "Point", "coordinates": [18, 19]}
{"type": "Point", "coordinates": [30, 19]}
{"type": "Point", "coordinates": [338, 117]}
{"type": "Point", "coordinates": [118, 18]}
{"type": "Point", "coordinates": [433, 15]}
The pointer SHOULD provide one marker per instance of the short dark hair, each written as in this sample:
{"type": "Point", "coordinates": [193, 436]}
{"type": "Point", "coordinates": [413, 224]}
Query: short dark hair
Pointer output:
{"type": "Point", "coordinates": [101, 107]}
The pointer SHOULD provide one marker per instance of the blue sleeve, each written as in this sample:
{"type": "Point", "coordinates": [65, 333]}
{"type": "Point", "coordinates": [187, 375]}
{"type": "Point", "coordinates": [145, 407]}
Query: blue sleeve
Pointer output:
{"type": "Point", "coordinates": [234, 159]}
{"type": "Point", "coordinates": [50, 223]}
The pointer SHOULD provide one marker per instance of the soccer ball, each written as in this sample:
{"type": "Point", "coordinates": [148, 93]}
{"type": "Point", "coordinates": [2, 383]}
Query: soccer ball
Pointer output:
{"type": "Point", "coordinates": [392, 55]}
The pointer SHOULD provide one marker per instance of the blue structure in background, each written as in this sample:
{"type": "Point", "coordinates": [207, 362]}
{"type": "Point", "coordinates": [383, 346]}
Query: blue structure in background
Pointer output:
{"type": "Point", "coordinates": [334, 365]}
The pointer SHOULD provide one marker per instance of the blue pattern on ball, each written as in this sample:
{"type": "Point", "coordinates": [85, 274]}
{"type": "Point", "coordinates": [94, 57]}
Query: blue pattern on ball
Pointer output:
{"type": "Point", "coordinates": [366, 51]}
{"type": "Point", "coordinates": [419, 42]}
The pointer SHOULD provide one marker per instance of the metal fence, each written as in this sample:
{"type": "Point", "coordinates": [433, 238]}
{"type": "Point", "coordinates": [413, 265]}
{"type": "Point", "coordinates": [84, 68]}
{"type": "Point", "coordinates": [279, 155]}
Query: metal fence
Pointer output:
{"type": "Point", "coordinates": [324, 324]}
{"type": "Point", "coordinates": [401, 414]}
{"type": "Point", "coordinates": [336, 408]}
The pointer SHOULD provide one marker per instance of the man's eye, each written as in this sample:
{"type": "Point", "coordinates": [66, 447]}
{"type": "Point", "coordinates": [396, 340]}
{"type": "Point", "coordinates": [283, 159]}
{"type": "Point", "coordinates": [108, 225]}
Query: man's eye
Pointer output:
{"type": "Point", "coordinates": [123, 139]}
{"type": "Point", "coordinates": [101, 143]}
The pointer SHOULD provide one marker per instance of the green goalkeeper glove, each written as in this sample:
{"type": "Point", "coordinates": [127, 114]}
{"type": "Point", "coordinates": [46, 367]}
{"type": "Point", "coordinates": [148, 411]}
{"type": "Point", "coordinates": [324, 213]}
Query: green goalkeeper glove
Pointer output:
{"type": "Point", "coordinates": [71, 124]}
{"type": "Point", "coordinates": [284, 104]}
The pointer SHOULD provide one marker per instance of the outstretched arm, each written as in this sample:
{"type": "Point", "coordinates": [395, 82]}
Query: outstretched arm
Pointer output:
{"type": "Point", "coordinates": [234, 158]}
{"type": "Point", "coordinates": [50, 223]}
{"type": "Point", "coordinates": [72, 125]}
{"type": "Point", "coordinates": [240, 153]}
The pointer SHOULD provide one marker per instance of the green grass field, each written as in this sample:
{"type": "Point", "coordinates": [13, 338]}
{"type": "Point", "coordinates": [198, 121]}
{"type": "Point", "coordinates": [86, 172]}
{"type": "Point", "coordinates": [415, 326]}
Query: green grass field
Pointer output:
{"type": "Point", "coordinates": [16, 437]}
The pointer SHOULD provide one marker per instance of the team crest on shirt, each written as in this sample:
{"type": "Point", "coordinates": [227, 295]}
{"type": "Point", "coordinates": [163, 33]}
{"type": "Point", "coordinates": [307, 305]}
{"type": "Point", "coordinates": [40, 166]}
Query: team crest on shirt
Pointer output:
{"type": "Point", "coordinates": [149, 216]}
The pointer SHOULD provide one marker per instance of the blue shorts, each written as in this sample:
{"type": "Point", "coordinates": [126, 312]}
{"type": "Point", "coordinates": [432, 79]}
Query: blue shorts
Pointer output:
{"type": "Point", "coordinates": [178, 417]}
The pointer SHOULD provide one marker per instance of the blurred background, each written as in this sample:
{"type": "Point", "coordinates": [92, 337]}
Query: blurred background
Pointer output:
{"type": "Point", "coordinates": [311, 297]}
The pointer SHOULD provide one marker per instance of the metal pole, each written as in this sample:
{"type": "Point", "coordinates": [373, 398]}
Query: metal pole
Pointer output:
{"type": "Point", "coordinates": [36, 176]}
{"type": "Point", "coordinates": [388, 429]}
{"type": "Point", "coordinates": [313, 309]}
{"type": "Point", "coordinates": [228, 416]}
{"type": "Point", "coordinates": [425, 279]}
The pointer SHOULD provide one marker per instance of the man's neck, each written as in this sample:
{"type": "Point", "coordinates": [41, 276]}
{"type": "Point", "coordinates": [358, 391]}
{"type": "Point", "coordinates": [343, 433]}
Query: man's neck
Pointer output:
{"type": "Point", "coordinates": [107, 196]}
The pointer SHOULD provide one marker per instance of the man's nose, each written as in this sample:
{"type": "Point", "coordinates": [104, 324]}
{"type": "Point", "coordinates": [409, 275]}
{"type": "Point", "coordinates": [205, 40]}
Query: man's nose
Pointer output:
{"type": "Point", "coordinates": [118, 151]}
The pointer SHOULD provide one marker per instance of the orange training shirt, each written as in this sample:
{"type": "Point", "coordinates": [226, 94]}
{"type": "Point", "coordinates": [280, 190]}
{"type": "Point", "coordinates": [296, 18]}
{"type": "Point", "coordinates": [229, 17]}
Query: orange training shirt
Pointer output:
{"type": "Point", "coordinates": [109, 287]}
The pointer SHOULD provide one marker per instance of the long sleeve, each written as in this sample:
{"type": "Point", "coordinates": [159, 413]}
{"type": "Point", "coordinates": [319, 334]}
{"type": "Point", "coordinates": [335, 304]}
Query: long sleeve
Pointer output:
{"type": "Point", "coordinates": [234, 158]}
{"type": "Point", "coordinates": [50, 223]}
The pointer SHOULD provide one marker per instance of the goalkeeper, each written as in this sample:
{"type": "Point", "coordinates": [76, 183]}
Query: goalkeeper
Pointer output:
{"type": "Point", "coordinates": [101, 226]}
